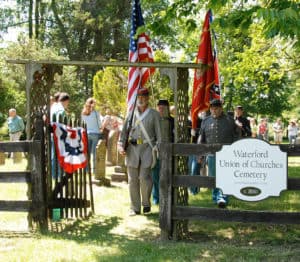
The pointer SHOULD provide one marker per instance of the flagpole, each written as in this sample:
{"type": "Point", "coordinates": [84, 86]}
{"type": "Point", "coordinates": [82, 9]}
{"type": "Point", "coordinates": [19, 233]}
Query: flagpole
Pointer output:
{"type": "Point", "coordinates": [216, 55]}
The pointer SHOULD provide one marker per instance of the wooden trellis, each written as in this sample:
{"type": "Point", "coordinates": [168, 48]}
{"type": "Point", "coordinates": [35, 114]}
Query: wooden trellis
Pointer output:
{"type": "Point", "coordinates": [40, 78]}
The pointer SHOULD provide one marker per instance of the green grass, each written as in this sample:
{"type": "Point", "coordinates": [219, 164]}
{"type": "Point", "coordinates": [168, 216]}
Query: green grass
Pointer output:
{"type": "Point", "coordinates": [111, 235]}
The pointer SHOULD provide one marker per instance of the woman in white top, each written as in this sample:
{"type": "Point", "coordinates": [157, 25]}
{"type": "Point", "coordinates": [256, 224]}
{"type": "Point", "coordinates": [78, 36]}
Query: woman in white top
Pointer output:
{"type": "Point", "coordinates": [292, 132]}
{"type": "Point", "coordinates": [93, 122]}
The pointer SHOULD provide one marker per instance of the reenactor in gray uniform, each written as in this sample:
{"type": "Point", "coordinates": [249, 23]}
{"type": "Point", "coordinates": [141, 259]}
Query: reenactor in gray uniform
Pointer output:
{"type": "Point", "coordinates": [141, 151]}
{"type": "Point", "coordinates": [217, 128]}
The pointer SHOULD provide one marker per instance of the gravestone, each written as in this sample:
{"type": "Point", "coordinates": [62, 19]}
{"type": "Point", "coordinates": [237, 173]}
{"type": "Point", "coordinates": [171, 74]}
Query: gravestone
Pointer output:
{"type": "Point", "coordinates": [114, 137]}
{"type": "Point", "coordinates": [100, 168]}
{"type": "Point", "coordinates": [111, 154]}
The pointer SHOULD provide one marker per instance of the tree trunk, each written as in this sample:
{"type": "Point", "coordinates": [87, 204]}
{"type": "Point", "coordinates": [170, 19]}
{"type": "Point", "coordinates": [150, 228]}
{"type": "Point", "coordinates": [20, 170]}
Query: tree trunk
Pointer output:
{"type": "Point", "coordinates": [37, 18]}
{"type": "Point", "coordinates": [30, 25]}
{"type": "Point", "coordinates": [62, 29]}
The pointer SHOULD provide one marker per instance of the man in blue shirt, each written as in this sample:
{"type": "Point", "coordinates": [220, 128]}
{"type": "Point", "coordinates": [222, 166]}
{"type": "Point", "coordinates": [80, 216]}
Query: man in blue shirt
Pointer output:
{"type": "Point", "coordinates": [15, 125]}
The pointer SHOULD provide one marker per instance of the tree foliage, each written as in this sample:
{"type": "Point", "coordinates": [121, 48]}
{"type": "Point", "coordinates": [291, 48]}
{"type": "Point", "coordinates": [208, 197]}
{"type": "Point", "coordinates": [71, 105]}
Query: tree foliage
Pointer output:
{"type": "Point", "coordinates": [257, 55]}
{"type": "Point", "coordinates": [258, 44]}
{"type": "Point", "coordinates": [254, 74]}
{"type": "Point", "coordinates": [110, 89]}
{"type": "Point", "coordinates": [14, 79]}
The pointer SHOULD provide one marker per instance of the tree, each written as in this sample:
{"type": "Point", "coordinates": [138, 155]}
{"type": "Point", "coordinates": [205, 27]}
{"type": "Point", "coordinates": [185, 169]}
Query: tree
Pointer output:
{"type": "Point", "coordinates": [8, 100]}
{"type": "Point", "coordinates": [96, 30]}
{"type": "Point", "coordinates": [253, 74]}
{"type": "Point", "coordinates": [110, 87]}
{"type": "Point", "coordinates": [13, 84]}
{"type": "Point", "coordinates": [279, 18]}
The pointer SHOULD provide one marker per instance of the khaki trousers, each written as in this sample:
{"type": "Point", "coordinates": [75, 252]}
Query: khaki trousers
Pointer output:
{"type": "Point", "coordinates": [140, 187]}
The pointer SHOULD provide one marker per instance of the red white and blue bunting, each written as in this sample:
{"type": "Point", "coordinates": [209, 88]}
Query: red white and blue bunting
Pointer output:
{"type": "Point", "coordinates": [71, 147]}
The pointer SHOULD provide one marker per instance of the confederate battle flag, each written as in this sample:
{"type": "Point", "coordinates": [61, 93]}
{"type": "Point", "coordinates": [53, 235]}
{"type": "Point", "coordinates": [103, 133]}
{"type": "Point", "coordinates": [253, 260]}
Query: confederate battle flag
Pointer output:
{"type": "Point", "coordinates": [206, 79]}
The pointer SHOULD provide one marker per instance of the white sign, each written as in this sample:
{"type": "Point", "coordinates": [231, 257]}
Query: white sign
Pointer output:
{"type": "Point", "coordinates": [251, 169]}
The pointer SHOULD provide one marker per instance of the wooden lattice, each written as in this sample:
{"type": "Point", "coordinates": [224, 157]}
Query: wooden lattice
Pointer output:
{"type": "Point", "coordinates": [42, 80]}
{"type": "Point", "coordinates": [181, 163]}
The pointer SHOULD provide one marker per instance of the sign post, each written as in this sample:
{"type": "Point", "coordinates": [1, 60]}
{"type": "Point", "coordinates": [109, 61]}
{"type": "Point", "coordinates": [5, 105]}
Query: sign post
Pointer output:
{"type": "Point", "coordinates": [251, 169]}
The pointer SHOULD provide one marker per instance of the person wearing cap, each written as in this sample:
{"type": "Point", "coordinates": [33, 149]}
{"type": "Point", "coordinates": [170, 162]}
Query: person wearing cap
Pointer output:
{"type": "Point", "coordinates": [140, 155]}
{"type": "Point", "coordinates": [242, 122]}
{"type": "Point", "coordinates": [167, 136]}
{"type": "Point", "coordinates": [221, 129]}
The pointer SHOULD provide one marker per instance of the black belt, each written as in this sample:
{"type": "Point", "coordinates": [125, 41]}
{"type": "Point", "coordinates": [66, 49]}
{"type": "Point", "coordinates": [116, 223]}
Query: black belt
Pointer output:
{"type": "Point", "coordinates": [133, 142]}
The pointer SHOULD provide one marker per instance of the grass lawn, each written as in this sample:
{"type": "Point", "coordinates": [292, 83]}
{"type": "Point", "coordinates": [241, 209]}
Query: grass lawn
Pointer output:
{"type": "Point", "coordinates": [111, 235]}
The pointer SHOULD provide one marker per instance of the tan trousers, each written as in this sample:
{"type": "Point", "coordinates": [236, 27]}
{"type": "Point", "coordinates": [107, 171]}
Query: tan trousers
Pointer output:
{"type": "Point", "coordinates": [15, 137]}
{"type": "Point", "coordinates": [140, 187]}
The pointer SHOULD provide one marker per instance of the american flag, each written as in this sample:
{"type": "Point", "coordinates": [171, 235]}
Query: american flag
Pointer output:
{"type": "Point", "coordinates": [139, 51]}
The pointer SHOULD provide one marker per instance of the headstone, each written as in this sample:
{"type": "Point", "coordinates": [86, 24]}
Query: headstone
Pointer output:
{"type": "Point", "coordinates": [100, 160]}
{"type": "Point", "coordinates": [112, 147]}
{"type": "Point", "coordinates": [100, 168]}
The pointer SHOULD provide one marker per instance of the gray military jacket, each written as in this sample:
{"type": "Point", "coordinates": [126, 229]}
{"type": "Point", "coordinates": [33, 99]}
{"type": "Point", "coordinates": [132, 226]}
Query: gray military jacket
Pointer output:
{"type": "Point", "coordinates": [221, 130]}
{"type": "Point", "coordinates": [140, 152]}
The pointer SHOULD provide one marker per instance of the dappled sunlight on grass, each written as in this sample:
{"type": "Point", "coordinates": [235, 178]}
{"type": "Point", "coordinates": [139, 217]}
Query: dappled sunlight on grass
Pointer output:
{"type": "Point", "coordinates": [10, 165]}
{"type": "Point", "coordinates": [248, 233]}
{"type": "Point", "coordinates": [244, 233]}
{"type": "Point", "coordinates": [13, 221]}
{"type": "Point", "coordinates": [13, 191]}
{"type": "Point", "coordinates": [112, 235]}
{"type": "Point", "coordinates": [226, 233]}
{"type": "Point", "coordinates": [293, 161]}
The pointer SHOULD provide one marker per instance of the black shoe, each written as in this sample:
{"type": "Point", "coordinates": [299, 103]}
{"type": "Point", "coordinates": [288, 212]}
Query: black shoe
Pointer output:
{"type": "Point", "coordinates": [146, 209]}
{"type": "Point", "coordinates": [221, 203]}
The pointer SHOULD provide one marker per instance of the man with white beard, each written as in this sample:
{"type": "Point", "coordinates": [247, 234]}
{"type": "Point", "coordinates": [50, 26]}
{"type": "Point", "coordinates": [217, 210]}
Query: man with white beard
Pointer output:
{"type": "Point", "coordinates": [140, 154]}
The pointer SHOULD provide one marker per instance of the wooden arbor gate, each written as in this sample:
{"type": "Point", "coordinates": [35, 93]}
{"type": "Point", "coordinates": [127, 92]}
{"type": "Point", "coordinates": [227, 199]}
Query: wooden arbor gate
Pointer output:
{"type": "Point", "coordinates": [40, 78]}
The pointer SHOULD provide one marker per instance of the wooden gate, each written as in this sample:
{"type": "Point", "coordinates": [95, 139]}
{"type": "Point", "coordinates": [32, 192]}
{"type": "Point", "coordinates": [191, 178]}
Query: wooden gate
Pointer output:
{"type": "Point", "coordinates": [72, 193]}
{"type": "Point", "coordinates": [171, 211]}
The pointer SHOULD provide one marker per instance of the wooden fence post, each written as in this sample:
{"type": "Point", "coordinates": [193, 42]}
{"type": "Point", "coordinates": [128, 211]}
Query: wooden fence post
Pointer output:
{"type": "Point", "coordinates": [165, 191]}
{"type": "Point", "coordinates": [37, 152]}
{"type": "Point", "coordinates": [38, 200]}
